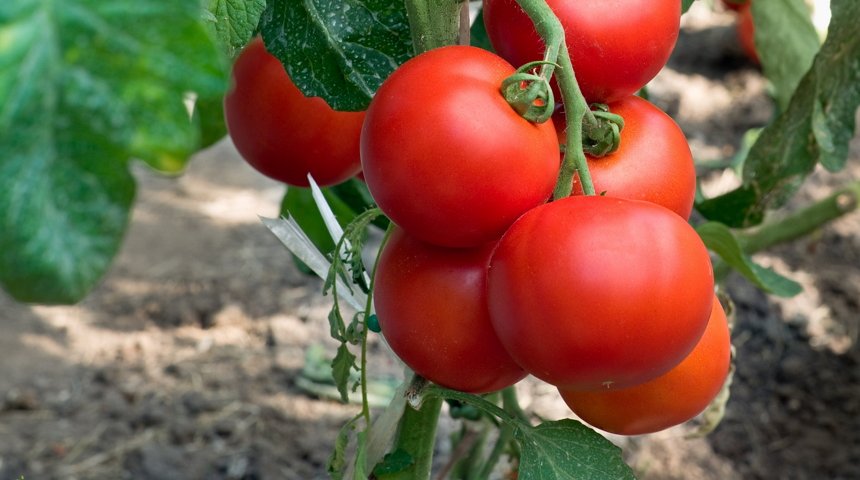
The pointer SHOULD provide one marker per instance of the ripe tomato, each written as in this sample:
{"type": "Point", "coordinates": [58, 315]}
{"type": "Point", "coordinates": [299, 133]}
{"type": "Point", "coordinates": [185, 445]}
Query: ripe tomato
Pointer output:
{"type": "Point", "coordinates": [735, 4]}
{"type": "Point", "coordinates": [653, 162]}
{"type": "Point", "coordinates": [616, 46]}
{"type": "Point", "coordinates": [598, 292]}
{"type": "Point", "coordinates": [282, 133]}
{"type": "Point", "coordinates": [746, 32]}
{"type": "Point", "coordinates": [668, 400]}
{"type": "Point", "coordinates": [432, 308]}
{"type": "Point", "coordinates": [446, 157]}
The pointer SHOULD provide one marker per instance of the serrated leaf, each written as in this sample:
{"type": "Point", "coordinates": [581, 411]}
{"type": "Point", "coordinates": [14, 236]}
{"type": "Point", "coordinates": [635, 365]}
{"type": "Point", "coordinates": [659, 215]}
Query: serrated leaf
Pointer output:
{"type": "Point", "coordinates": [341, 366]}
{"type": "Point", "coordinates": [337, 461]}
{"type": "Point", "coordinates": [234, 21]}
{"type": "Point", "coordinates": [568, 450]}
{"type": "Point", "coordinates": [816, 127]}
{"type": "Point", "coordinates": [721, 240]}
{"type": "Point", "coordinates": [785, 33]}
{"type": "Point", "coordinates": [84, 86]}
{"type": "Point", "coordinates": [339, 50]}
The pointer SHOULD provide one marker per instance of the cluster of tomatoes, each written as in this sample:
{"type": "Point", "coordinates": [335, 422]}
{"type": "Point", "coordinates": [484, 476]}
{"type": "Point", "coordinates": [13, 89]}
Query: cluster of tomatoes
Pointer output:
{"type": "Point", "coordinates": [483, 280]}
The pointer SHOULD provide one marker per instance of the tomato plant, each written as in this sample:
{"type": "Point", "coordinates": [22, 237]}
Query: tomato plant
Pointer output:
{"type": "Point", "coordinates": [432, 300]}
{"type": "Point", "coordinates": [598, 292]}
{"type": "Point", "coordinates": [668, 400]}
{"type": "Point", "coordinates": [446, 157]}
{"type": "Point", "coordinates": [281, 132]}
{"type": "Point", "coordinates": [616, 46]}
{"type": "Point", "coordinates": [652, 163]}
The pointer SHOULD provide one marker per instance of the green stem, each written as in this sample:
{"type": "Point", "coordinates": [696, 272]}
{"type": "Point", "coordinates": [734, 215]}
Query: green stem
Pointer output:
{"type": "Point", "coordinates": [434, 23]}
{"type": "Point", "coordinates": [416, 435]}
{"type": "Point", "coordinates": [576, 108]}
{"type": "Point", "coordinates": [796, 224]}
{"type": "Point", "coordinates": [435, 391]}
{"type": "Point", "coordinates": [368, 308]}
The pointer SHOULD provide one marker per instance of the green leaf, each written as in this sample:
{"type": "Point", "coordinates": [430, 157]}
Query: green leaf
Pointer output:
{"type": "Point", "coordinates": [567, 449]}
{"type": "Point", "coordinates": [816, 127]}
{"type": "Point", "coordinates": [785, 34]}
{"type": "Point", "coordinates": [299, 203]}
{"type": "Point", "coordinates": [337, 461]}
{"type": "Point", "coordinates": [234, 21]}
{"type": "Point", "coordinates": [478, 36]}
{"type": "Point", "coordinates": [209, 117]}
{"type": "Point", "coordinates": [341, 366]}
{"type": "Point", "coordinates": [394, 462]}
{"type": "Point", "coordinates": [84, 86]}
{"type": "Point", "coordinates": [340, 50]}
{"type": "Point", "coordinates": [685, 5]}
{"type": "Point", "coordinates": [721, 240]}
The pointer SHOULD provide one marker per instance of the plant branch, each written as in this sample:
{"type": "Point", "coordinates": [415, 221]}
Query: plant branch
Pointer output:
{"type": "Point", "coordinates": [434, 23]}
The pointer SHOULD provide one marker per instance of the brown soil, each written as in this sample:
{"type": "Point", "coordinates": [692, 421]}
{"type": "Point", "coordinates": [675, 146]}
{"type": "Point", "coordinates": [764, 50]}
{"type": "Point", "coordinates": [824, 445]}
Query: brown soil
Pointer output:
{"type": "Point", "coordinates": [184, 363]}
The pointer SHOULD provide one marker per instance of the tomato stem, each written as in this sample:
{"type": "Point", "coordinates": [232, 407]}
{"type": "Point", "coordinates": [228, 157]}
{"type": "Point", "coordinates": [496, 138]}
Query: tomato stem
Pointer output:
{"type": "Point", "coordinates": [416, 433]}
{"type": "Point", "coordinates": [433, 23]}
{"type": "Point", "coordinates": [797, 224]}
{"type": "Point", "coordinates": [551, 31]}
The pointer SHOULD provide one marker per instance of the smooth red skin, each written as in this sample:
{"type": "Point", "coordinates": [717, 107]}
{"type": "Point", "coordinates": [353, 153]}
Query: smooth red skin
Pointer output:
{"type": "Point", "coordinates": [432, 307]}
{"type": "Point", "coordinates": [616, 46]}
{"type": "Point", "coordinates": [668, 400]}
{"type": "Point", "coordinates": [282, 133]}
{"type": "Point", "coordinates": [653, 162]}
{"type": "Point", "coordinates": [446, 157]}
{"type": "Point", "coordinates": [746, 32]}
{"type": "Point", "coordinates": [598, 292]}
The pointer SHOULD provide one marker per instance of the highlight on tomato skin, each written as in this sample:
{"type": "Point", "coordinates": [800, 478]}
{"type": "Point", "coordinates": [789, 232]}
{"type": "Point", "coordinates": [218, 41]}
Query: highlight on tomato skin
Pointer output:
{"type": "Point", "coordinates": [669, 400]}
{"type": "Point", "coordinates": [282, 133]}
{"type": "Point", "coordinates": [431, 303]}
{"type": "Point", "coordinates": [589, 291]}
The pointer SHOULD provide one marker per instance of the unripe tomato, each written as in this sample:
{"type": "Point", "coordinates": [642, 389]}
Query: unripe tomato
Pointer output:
{"type": "Point", "coordinates": [282, 133]}
{"type": "Point", "coordinates": [668, 400]}
{"type": "Point", "coordinates": [616, 46]}
{"type": "Point", "coordinates": [432, 307]}
{"type": "Point", "coordinates": [652, 163]}
{"type": "Point", "coordinates": [446, 157]}
{"type": "Point", "coordinates": [597, 292]}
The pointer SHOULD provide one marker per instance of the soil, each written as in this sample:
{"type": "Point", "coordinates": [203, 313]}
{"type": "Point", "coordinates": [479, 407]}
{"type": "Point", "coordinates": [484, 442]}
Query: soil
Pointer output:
{"type": "Point", "coordinates": [186, 361]}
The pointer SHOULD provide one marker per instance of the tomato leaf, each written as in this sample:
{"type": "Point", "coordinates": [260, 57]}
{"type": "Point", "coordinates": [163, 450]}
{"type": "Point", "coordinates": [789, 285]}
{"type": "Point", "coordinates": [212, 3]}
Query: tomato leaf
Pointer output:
{"type": "Point", "coordinates": [337, 461]}
{"type": "Point", "coordinates": [340, 50]}
{"type": "Point", "coordinates": [299, 203]}
{"type": "Point", "coordinates": [785, 34]}
{"type": "Point", "coordinates": [816, 127]}
{"type": "Point", "coordinates": [718, 238]}
{"type": "Point", "coordinates": [567, 449]}
{"type": "Point", "coordinates": [234, 21]}
{"type": "Point", "coordinates": [478, 36]}
{"type": "Point", "coordinates": [84, 86]}
{"type": "Point", "coordinates": [341, 367]}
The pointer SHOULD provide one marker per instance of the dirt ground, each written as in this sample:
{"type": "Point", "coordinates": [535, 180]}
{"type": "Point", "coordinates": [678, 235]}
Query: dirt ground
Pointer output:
{"type": "Point", "coordinates": [185, 363]}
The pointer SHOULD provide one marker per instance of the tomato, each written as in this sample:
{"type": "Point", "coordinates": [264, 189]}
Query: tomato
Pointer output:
{"type": "Point", "coordinates": [446, 157]}
{"type": "Point", "coordinates": [668, 400]}
{"type": "Point", "coordinates": [652, 163]}
{"type": "Point", "coordinates": [598, 292]}
{"type": "Point", "coordinates": [746, 32]}
{"type": "Point", "coordinates": [432, 307]}
{"type": "Point", "coordinates": [616, 46]}
{"type": "Point", "coordinates": [282, 133]}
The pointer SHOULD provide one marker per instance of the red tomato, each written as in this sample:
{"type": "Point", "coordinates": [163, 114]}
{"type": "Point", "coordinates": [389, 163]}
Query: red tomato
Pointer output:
{"type": "Point", "coordinates": [446, 157]}
{"type": "Point", "coordinates": [284, 134]}
{"type": "Point", "coordinates": [653, 162]}
{"type": "Point", "coordinates": [746, 32]}
{"type": "Point", "coordinates": [432, 308]}
{"type": "Point", "coordinates": [599, 293]}
{"type": "Point", "coordinates": [616, 46]}
{"type": "Point", "coordinates": [668, 400]}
